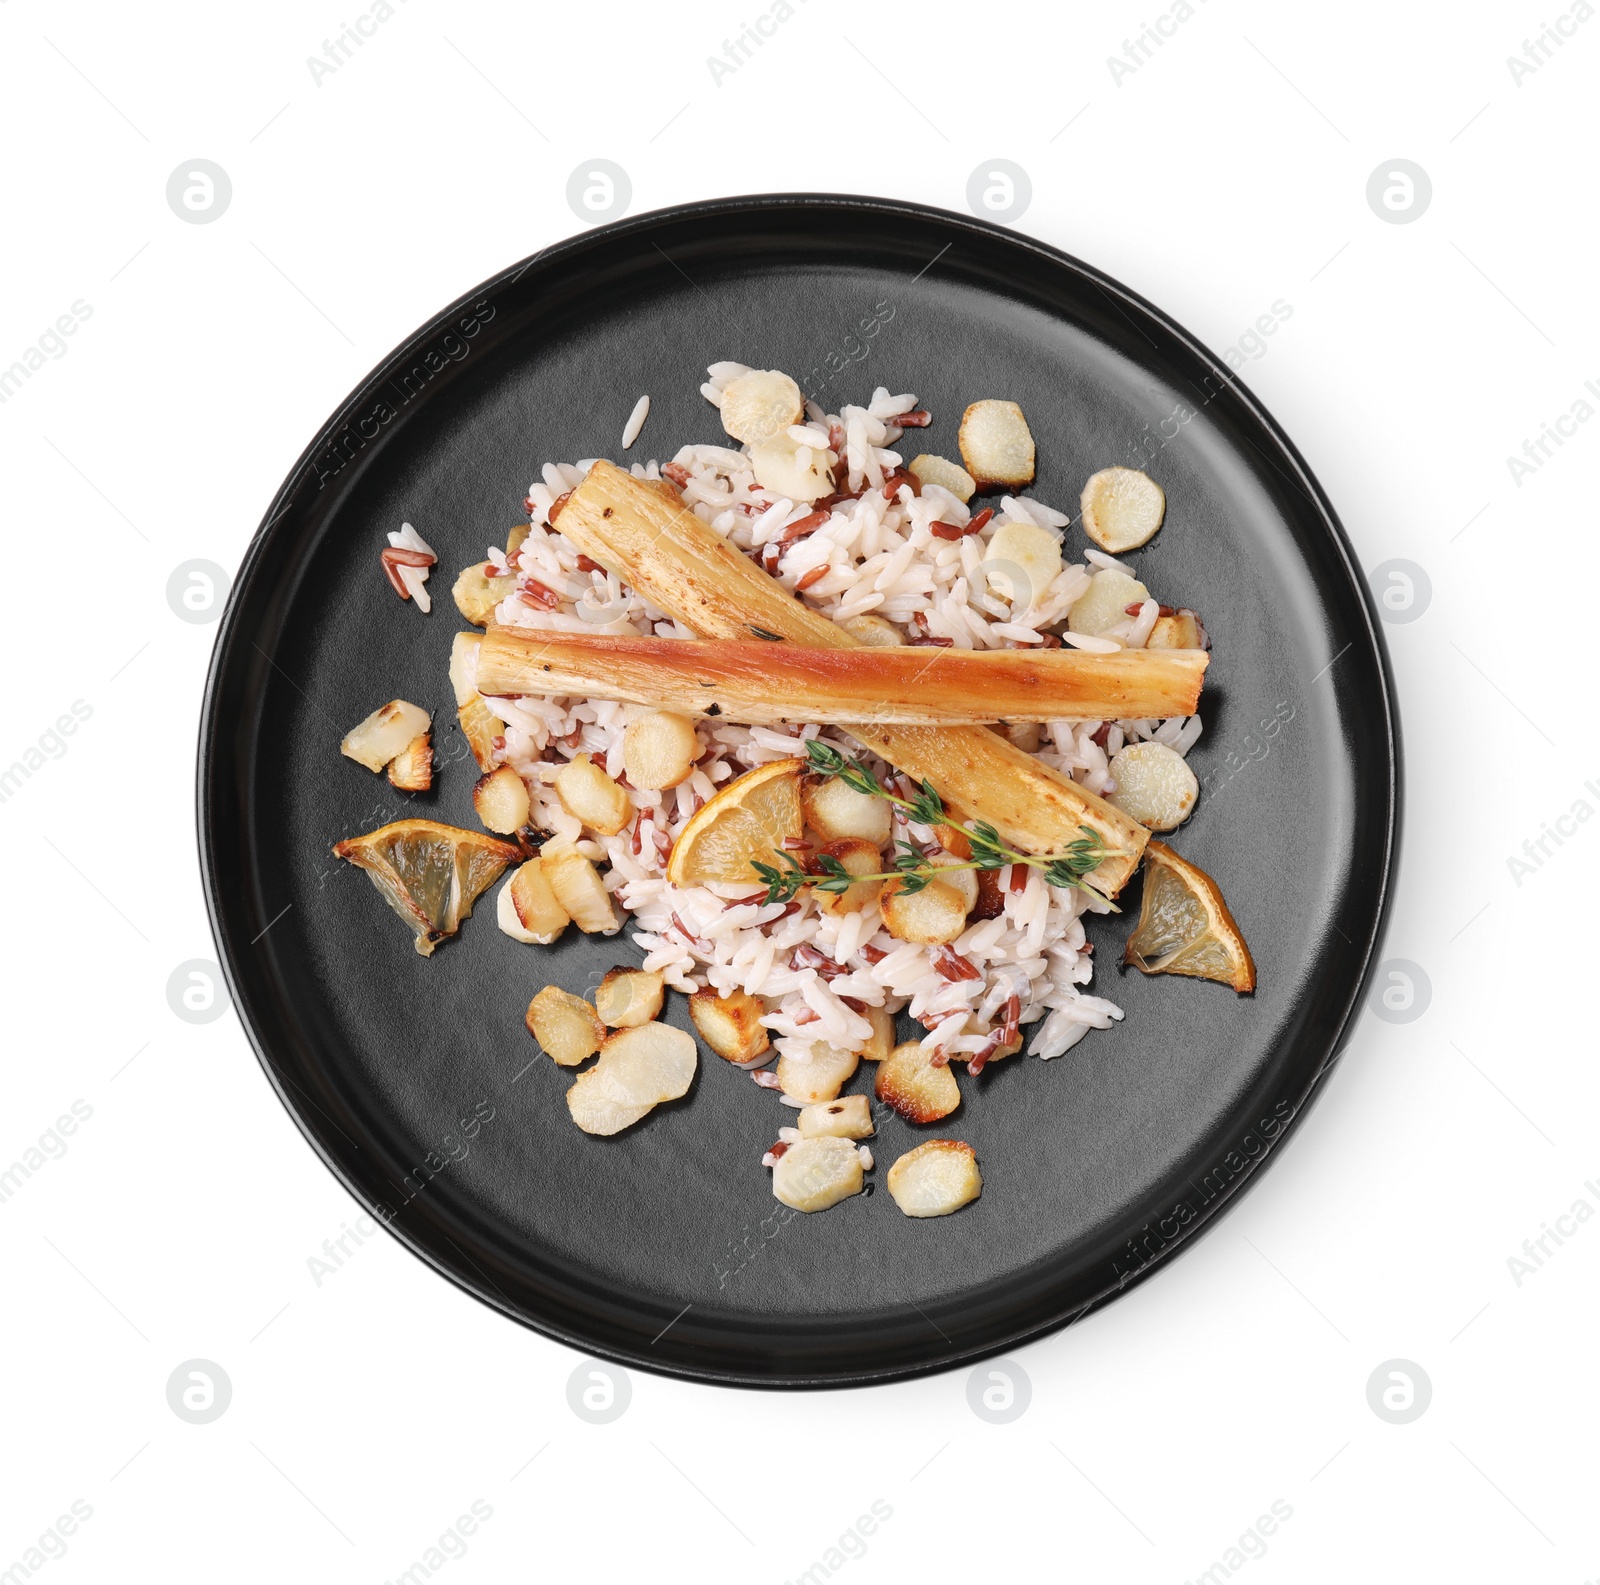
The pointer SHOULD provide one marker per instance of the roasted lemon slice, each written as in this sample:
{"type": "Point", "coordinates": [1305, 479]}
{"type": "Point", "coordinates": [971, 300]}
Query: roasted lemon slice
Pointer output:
{"type": "Point", "coordinates": [748, 819]}
{"type": "Point", "coordinates": [1185, 927]}
{"type": "Point", "coordinates": [430, 874]}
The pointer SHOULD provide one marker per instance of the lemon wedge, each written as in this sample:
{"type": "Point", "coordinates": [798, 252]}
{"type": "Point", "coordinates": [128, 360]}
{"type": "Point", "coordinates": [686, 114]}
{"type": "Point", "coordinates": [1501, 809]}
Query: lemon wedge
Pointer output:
{"type": "Point", "coordinates": [1185, 927]}
{"type": "Point", "coordinates": [747, 820]}
{"type": "Point", "coordinates": [430, 874]}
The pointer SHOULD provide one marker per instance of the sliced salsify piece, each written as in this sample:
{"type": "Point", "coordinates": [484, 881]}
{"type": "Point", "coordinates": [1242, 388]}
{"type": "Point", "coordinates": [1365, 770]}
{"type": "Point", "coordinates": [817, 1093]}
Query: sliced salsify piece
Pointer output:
{"type": "Point", "coordinates": [528, 909]}
{"type": "Point", "coordinates": [501, 800]}
{"type": "Point", "coordinates": [946, 474]}
{"type": "Point", "coordinates": [881, 1041]}
{"type": "Point", "coordinates": [384, 734]}
{"type": "Point", "coordinates": [931, 915]}
{"type": "Point", "coordinates": [638, 1069]}
{"type": "Point", "coordinates": [1154, 785]}
{"type": "Point", "coordinates": [430, 874]}
{"type": "Point", "coordinates": [659, 749]}
{"type": "Point", "coordinates": [816, 1073]}
{"type": "Point", "coordinates": [935, 1179]}
{"type": "Point", "coordinates": [411, 770]}
{"type": "Point", "coordinates": [996, 445]}
{"type": "Point", "coordinates": [1185, 927]}
{"type": "Point", "coordinates": [580, 889]}
{"type": "Point", "coordinates": [816, 1174]}
{"type": "Point", "coordinates": [779, 467]}
{"type": "Point", "coordinates": [588, 793]}
{"type": "Point", "coordinates": [566, 1026]}
{"type": "Point", "coordinates": [1122, 509]}
{"type": "Point", "coordinates": [873, 631]}
{"type": "Point", "coordinates": [918, 1088]}
{"type": "Point", "coordinates": [478, 727]}
{"type": "Point", "coordinates": [848, 1117]}
{"type": "Point", "coordinates": [731, 1025]}
{"type": "Point", "coordinates": [626, 997]}
{"type": "Point", "coordinates": [1105, 603]}
{"type": "Point", "coordinates": [838, 812]}
{"type": "Point", "coordinates": [477, 594]}
{"type": "Point", "coordinates": [856, 857]}
{"type": "Point", "coordinates": [1035, 554]}
{"type": "Point", "coordinates": [1181, 630]}
{"type": "Point", "coordinates": [761, 405]}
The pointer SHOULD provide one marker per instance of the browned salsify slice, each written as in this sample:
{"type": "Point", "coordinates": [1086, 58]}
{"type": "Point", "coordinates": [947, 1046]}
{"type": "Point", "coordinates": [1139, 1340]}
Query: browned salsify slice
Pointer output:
{"type": "Point", "coordinates": [731, 1025]}
{"type": "Point", "coordinates": [477, 594]}
{"type": "Point", "coordinates": [480, 729]}
{"type": "Point", "coordinates": [628, 997]}
{"type": "Point", "coordinates": [918, 1088]}
{"type": "Point", "coordinates": [996, 445]}
{"type": "Point", "coordinates": [816, 1174]}
{"type": "Point", "coordinates": [935, 1179]}
{"type": "Point", "coordinates": [566, 1026]}
{"type": "Point", "coordinates": [411, 770]}
{"type": "Point", "coordinates": [386, 733]}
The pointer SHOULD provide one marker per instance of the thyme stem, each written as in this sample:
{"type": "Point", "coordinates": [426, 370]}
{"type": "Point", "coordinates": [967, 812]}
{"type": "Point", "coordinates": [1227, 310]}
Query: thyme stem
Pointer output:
{"type": "Point", "coordinates": [1068, 868]}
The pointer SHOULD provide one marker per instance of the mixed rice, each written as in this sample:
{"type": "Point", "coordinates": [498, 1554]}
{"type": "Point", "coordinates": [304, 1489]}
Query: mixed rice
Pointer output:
{"type": "Point", "coordinates": [875, 554]}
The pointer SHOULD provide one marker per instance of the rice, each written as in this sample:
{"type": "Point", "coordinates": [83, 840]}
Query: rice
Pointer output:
{"type": "Point", "coordinates": [872, 554]}
{"type": "Point", "coordinates": [414, 578]}
{"type": "Point", "coordinates": [630, 430]}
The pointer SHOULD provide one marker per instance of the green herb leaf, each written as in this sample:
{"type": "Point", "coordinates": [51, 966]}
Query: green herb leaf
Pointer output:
{"type": "Point", "coordinates": [782, 883]}
{"type": "Point", "coordinates": [827, 760]}
{"type": "Point", "coordinates": [825, 757]}
{"type": "Point", "coordinates": [988, 851]}
{"type": "Point", "coordinates": [927, 808]}
{"type": "Point", "coordinates": [1060, 874]}
{"type": "Point", "coordinates": [827, 864]}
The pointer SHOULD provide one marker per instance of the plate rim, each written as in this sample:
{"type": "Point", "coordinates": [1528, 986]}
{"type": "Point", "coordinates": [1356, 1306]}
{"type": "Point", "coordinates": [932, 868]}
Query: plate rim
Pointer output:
{"type": "Point", "coordinates": [209, 796]}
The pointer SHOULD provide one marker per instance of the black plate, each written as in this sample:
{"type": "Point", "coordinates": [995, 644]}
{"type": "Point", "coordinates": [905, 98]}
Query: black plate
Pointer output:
{"type": "Point", "coordinates": [664, 1247]}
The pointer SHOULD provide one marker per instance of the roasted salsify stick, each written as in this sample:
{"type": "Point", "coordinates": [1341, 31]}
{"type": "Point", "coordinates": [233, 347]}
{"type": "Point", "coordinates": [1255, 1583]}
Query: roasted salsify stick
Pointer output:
{"type": "Point", "coordinates": [668, 555]}
{"type": "Point", "coordinates": [758, 683]}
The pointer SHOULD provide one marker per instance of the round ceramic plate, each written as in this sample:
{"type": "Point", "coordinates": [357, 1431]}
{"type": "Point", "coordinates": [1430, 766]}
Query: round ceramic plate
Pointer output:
{"type": "Point", "coordinates": [663, 1247]}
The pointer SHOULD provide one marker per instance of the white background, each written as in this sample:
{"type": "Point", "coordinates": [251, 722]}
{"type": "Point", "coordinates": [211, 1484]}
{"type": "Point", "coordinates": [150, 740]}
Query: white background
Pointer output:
{"type": "Point", "coordinates": [1227, 172]}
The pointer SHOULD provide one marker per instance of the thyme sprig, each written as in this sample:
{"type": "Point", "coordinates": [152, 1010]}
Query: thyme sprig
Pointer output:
{"type": "Point", "coordinates": [912, 870]}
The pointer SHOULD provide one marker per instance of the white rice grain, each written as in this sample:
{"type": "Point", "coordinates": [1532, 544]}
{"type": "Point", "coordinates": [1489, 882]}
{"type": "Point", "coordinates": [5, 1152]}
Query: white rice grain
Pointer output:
{"type": "Point", "coordinates": [1101, 559]}
{"type": "Point", "coordinates": [1089, 642]}
{"type": "Point", "coordinates": [630, 430]}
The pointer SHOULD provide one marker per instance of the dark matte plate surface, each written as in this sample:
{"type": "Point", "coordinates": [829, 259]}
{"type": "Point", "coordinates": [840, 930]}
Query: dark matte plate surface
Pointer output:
{"type": "Point", "coordinates": [1096, 1166]}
